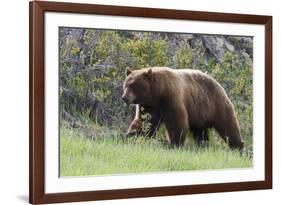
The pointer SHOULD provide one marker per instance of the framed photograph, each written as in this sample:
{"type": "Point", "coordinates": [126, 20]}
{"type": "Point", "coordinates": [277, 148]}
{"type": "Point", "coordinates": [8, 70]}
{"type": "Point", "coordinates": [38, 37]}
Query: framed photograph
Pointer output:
{"type": "Point", "coordinates": [132, 102]}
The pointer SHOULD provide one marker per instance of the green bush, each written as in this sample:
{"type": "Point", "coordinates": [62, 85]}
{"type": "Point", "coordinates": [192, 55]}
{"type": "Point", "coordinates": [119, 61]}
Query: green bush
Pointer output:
{"type": "Point", "coordinates": [183, 57]}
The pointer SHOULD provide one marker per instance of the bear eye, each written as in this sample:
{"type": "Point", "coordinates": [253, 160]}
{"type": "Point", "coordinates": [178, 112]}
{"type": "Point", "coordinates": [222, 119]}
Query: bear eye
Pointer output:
{"type": "Point", "coordinates": [131, 85]}
{"type": "Point", "coordinates": [128, 85]}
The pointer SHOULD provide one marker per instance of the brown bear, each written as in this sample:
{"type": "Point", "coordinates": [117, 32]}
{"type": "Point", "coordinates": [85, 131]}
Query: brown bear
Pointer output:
{"type": "Point", "coordinates": [184, 100]}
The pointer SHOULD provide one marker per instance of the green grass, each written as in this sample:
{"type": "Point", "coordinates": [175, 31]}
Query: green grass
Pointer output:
{"type": "Point", "coordinates": [80, 156]}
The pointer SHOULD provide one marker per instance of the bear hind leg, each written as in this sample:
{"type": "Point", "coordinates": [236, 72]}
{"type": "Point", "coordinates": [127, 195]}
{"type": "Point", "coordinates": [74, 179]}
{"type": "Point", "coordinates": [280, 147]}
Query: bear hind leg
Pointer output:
{"type": "Point", "coordinates": [232, 137]}
{"type": "Point", "coordinates": [235, 143]}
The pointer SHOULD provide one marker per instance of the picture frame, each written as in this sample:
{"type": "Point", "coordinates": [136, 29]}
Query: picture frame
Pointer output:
{"type": "Point", "coordinates": [37, 100]}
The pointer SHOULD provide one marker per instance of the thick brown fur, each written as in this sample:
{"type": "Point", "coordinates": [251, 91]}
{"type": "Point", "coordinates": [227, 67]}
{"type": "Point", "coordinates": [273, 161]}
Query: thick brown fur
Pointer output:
{"type": "Point", "coordinates": [184, 100]}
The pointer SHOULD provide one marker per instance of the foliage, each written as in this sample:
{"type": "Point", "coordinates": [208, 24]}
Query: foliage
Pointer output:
{"type": "Point", "coordinates": [183, 57]}
{"type": "Point", "coordinates": [148, 51]}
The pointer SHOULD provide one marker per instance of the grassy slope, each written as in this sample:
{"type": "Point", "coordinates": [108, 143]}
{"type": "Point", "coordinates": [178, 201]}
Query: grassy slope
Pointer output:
{"type": "Point", "coordinates": [81, 156]}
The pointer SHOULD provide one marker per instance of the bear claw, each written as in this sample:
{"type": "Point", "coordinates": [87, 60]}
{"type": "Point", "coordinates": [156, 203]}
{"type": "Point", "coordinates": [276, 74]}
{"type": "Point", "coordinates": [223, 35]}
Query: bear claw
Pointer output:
{"type": "Point", "coordinates": [131, 133]}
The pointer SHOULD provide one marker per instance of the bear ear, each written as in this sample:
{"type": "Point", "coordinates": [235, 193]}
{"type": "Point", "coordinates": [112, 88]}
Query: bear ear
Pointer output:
{"type": "Point", "coordinates": [128, 71]}
{"type": "Point", "coordinates": [148, 74]}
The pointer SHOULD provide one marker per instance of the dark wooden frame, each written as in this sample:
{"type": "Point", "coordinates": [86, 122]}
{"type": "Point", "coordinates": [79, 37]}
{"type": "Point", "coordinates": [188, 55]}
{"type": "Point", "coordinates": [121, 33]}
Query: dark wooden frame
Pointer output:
{"type": "Point", "coordinates": [36, 100]}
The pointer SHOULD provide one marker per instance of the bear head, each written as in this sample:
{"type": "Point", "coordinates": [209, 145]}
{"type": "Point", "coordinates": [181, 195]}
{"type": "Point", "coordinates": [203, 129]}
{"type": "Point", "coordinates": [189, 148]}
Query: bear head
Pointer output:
{"type": "Point", "coordinates": [137, 87]}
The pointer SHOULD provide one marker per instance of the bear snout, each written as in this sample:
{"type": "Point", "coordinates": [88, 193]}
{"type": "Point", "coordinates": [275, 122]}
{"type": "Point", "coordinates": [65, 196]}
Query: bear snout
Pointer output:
{"type": "Point", "coordinates": [125, 98]}
{"type": "Point", "coordinates": [128, 97]}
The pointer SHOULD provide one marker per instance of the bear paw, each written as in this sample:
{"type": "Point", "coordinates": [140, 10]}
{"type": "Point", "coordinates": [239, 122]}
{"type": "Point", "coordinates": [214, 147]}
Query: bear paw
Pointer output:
{"type": "Point", "coordinates": [134, 129]}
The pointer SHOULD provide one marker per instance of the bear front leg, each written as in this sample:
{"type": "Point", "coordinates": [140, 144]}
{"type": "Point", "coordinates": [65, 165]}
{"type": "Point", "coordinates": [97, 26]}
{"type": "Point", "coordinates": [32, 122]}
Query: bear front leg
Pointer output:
{"type": "Point", "coordinates": [135, 126]}
{"type": "Point", "coordinates": [154, 121]}
{"type": "Point", "coordinates": [200, 135]}
{"type": "Point", "coordinates": [176, 121]}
